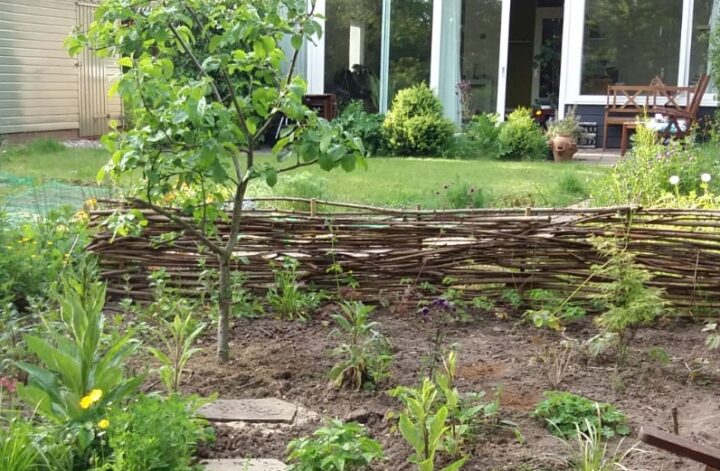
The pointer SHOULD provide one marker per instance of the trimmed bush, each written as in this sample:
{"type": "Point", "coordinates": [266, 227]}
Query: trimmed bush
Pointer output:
{"type": "Point", "coordinates": [415, 125]}
{"type": "Point", "coordinates": [521, 138]}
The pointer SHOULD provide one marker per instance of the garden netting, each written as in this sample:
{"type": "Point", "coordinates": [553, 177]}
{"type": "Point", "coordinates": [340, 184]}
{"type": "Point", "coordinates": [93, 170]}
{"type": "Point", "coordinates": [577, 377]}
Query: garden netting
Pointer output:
{"type": "Point", "coordinates": [22, 197]}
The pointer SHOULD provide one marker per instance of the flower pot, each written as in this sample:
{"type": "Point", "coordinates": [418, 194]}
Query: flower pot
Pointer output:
{"type": "Point", "coordinates": [563, 147]}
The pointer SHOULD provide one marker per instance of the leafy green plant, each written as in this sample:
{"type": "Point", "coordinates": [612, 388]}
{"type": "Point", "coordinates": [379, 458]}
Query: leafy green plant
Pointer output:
{"type": "Point", "coordinates": [590, 452]}
{"type": "Point", "coordinates": [335, 447]}
{"type": "Point", "coordinates": [178, 337]}
{"type": "Point", "coordinates": [460, 195]}
{"type": "Point", "coordinates": [565, 414]}
{"type": "Point", "coordinates": [550, 312]}
{"type": "Point", "coordinates": [424, 425]}
{"type": "Point", "coordinates": [201, 100]}
{"type": "Point", "coordinates": [83, 370]}
{"type": "Point", "coordinates": [415, 125]}
{"type": "Point", "coordinates": [713, 338]}
{"type": "Point", "coordinates": [367, 126]}
{"type": "Point", "coordinates": [286, 298]}
{"type": "Point", "coordinates": [568, 126]}
{"type": "Point", "coordinates": [155, 433]}
{"type": "Point", "coordinates": [34, 254]}
{"type": "Point", "coordinates": [521, 138]}
{"type": "Point", "coordinates": [365, 356]}
{"type": "Point", "coordinates": [484, 132]}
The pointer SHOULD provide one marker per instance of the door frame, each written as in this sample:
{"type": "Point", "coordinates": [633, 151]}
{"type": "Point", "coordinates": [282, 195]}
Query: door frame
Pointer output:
{"type": "Point", "coordinates": [542, 13]}
{"type": "Point", "coordinates": [503, 59]}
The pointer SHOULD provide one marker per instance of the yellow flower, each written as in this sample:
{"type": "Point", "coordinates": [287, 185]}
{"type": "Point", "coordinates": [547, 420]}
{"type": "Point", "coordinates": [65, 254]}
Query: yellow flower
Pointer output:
{"type": "Point", "coordinates": [92, 397]}
{"type": "Point", "coordinates": [91, 203]}
{"type": "Point", "coordinates": [103, 424]}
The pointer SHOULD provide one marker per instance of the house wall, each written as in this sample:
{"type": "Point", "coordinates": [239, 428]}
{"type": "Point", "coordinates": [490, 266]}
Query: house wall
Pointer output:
{"type": "Point", "coordinates": [39, 82]}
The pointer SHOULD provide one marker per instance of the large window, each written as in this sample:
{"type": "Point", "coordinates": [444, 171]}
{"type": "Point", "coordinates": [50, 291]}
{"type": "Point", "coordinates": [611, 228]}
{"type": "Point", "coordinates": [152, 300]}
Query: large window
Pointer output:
{"type": "Point", "coordinates": [481, 52]}
{"type": "Point", "coordinates": [352, 50]}
{"type": "Point", "coordinates": [410, 44]}
{"type": "Point", "coordinates": [705, 13]}
{"type": "Point", "coordinates": [630, 42]}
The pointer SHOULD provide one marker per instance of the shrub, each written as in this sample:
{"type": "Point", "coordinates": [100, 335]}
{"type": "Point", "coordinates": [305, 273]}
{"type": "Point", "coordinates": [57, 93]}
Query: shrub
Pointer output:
{"type": "Point", "coordinates": [34, 254]}
{"type": "Point", "coordinates": [415, 125]}
{"type": "Point", "coordinates": [365, 356]}
{"type": "Point", "coordinates": [643, 176]}
{"type": "Point", "coordinates": [367, 126]}
{"type": "Point", "coordinates": [337, 446]}
{"type": "Point", "coordinates": [521, 138]}
{"type": "Point", "coordinates": [566, 414]}
{"type": "Point", "coordinates": [155, 433]}
{"type": "Point", "coordinates": [484, 132]}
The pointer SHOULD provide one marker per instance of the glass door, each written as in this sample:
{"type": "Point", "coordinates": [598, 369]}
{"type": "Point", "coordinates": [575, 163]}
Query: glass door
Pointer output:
{"type": "Point", "coordinates": [483, 55]}
{"type": "Point", "coordinates": [547, 57]}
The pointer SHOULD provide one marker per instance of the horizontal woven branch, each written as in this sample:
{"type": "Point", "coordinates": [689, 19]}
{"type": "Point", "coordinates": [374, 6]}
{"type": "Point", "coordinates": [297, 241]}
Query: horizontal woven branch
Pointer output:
{"type": "Point", "coordinates": [486, 251]}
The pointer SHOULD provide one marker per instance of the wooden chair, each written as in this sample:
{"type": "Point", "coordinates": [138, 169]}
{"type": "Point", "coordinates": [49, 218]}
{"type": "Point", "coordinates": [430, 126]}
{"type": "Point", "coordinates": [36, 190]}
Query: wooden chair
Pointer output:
{"type": "Point", "coordinates": [706, 455]}
{"type": "Point", "coordinates": [625, 103]}
{"type": "Point", "coordinates": [681, 119]}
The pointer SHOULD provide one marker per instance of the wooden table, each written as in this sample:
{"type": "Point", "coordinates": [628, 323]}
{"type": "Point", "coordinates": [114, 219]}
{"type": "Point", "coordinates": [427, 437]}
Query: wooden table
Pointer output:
{"type": "Point", "coordinates": [625, 139]}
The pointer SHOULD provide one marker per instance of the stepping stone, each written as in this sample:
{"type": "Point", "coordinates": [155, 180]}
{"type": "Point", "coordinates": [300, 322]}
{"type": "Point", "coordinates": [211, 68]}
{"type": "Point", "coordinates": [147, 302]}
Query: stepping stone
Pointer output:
{"type": "Point", "coordinates": [269, 411]}
{"type": "Point", "coordinates": [243, 465]}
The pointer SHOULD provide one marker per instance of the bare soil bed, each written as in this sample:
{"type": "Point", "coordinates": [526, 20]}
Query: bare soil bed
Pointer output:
{"type": "Point", "coordinates": [291, 361]}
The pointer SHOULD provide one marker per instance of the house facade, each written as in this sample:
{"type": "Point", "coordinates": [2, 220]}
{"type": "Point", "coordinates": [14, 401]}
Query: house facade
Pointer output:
{"type": "Point", "coordinates": [508, 53]}
{"type": "Point", "coordinates": [43, 91]}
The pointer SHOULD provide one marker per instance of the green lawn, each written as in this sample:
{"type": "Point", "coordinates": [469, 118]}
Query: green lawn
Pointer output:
{"type": "Point", "coordinates": [431, 183]}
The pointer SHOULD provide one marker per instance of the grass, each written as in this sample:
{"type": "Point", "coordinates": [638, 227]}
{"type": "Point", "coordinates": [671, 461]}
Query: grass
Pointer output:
{"type": "Point", "coordinates": [394, 182]}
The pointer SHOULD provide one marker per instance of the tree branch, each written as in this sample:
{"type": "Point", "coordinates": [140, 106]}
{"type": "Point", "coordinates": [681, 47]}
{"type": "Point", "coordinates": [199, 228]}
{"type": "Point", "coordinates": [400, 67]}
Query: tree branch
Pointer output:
{"type": "Point", "coordinates": [195, 61]}
{"type": "Point", "coordinates": [181, 222]}
{"type": "Point", "coordinates": [297, 166]}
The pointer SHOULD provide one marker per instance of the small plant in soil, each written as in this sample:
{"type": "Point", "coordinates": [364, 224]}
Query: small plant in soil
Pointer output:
{"type": "Point", "coordinates": [337, 446]}
{"type": "Point", "coordinates": [286, 298]}
{"type": "Point", "coordinates": [589, 451]}
{"type": "Point", "coordinates": [177, 337]}
{"type": "Point", "coordinates": [365, 356]}
{"type": "Point", "coordinates": [424, 425]}
{"type": "Point", "coordinates": [550, 312]}
{"type": "Point", "coordinates": [565, 414]}
{"type": "Point", "coordinates": [556, 360]}
{"type": "Point", "coordinates": [627, 301]}
{"type": "Point", "coordinates": [713, 338]}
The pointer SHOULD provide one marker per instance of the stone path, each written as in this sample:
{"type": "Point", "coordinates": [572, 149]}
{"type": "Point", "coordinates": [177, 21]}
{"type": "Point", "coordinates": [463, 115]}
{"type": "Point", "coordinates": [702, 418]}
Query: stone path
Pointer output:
{"type": "Point", "coordinates": [254, 411]}
{"type": "Point", "coordinates": [268, 411]}
{"type": "Point", "coordinates": [598, 156]}
{"type": "Point", "coordinates": [243, 465]}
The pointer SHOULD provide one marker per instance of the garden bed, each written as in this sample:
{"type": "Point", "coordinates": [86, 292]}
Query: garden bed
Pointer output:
{"type": "Point", "coordinates": [291, 361]}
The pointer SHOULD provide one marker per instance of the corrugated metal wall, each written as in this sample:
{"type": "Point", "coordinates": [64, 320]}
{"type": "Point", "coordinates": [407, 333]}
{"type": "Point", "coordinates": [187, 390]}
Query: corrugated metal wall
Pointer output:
{"type": "Point", "coordinates": [40, 86]}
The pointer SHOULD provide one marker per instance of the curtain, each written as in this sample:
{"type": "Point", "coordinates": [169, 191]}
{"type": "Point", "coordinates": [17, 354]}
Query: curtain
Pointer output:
{"type": "Point", "coordinates": [445, 74]}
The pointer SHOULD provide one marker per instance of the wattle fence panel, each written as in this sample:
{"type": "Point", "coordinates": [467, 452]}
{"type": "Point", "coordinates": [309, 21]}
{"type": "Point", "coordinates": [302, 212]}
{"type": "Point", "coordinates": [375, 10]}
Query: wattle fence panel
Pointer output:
{"type": "Point", "coordinates": [485, 252]}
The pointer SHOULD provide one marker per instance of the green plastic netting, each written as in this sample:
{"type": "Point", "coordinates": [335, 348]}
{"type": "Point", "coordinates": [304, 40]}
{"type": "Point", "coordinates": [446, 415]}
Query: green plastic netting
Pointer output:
{"type": "Point", "coordinates": [21, 197]}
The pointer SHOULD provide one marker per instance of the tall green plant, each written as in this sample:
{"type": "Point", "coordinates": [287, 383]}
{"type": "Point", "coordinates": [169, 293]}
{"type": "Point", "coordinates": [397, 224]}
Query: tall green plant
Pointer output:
{"type": "Point", "coordinates": [81, 371]}
{"type": "Point", "coordinates": [203, 83]}
{"type": "Point", "coordinates": [365, 357]}
{"type": "Point", "coordinates": [178, 338]}
{"type": "Point", "coordinates": [423, 425]}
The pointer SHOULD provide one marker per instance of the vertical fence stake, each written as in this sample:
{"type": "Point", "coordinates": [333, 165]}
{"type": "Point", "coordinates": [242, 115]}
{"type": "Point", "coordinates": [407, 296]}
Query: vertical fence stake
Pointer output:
{"type": "Point", "coordinates": [313, 207]}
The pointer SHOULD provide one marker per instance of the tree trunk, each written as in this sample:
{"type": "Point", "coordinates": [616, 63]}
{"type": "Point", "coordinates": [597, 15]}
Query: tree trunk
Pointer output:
{"type": "Point", "coordinates": [224, 306]}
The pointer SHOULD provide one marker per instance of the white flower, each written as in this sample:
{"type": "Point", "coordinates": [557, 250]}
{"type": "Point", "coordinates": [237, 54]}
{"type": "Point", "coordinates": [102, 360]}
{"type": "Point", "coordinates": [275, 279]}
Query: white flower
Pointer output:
{"type": "Point", "coordinates": [674, 180]}
{"type": "Point", "coordinates": [706, 177]}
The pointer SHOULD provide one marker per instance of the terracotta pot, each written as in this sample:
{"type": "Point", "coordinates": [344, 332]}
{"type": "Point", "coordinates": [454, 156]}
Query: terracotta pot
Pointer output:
{"type": "Point", "coordinates": [563, 147]}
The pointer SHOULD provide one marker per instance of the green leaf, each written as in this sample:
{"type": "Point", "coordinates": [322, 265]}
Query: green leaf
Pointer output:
{"type": "Point", "coordinates": [214, 43]}
{"type": "Point", "coordinates": [125, 62]}
{"type": "Point", "coordinates": [271, 177]}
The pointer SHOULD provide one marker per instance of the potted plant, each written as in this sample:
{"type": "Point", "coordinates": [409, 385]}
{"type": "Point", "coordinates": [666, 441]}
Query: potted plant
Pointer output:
{"type": "Point", "coordinates": [563, 136]}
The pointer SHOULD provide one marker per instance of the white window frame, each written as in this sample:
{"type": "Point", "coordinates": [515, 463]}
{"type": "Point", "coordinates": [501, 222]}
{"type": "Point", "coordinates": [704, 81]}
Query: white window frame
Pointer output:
{"type": "Point", "coordinates": [574, 34]}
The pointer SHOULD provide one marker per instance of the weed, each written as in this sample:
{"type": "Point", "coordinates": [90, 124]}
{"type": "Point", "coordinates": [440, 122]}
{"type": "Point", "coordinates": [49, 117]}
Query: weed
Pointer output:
{"type": "Point", "coordinates": [565, 414]}
{"type": "Point", "coordinates": [590, 451]}
{"type": "Point", "coordinates": [556, 360]}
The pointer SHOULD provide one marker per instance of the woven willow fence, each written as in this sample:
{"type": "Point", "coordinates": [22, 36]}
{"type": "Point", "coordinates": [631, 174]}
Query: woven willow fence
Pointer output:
{"type": "Point", "coordinates": [486, 251]}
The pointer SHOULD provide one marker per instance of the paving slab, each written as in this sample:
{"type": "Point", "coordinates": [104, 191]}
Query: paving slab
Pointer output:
{"type": "Point", "coordinates": [269, 411]}
{"type": "Point", "coordinates": [243, 465]}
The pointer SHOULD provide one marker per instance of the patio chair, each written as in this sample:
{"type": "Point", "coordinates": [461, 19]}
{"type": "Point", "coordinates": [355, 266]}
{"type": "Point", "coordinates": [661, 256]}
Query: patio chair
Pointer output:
{"type": "Point", "coordinates": [706, 455]}
{"type": "Point", "coordinates": [678, 120]}
{"type": "Point", "coordinates": [625, 103]}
